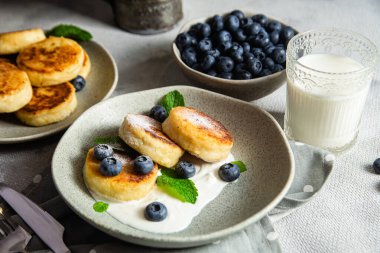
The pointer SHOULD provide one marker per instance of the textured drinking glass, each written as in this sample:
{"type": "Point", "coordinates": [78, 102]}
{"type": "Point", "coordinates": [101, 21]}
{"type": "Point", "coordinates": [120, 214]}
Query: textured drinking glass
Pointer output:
{"type": "Point", "coordinates": [324, 108]}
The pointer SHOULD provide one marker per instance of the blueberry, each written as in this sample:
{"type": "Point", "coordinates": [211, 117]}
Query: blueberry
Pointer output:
{"type": "Point", "coordinates": [236, 47]}
{"type": "Point", "coordinates": [224, 64]}
{"type": "Point", "coordinates": [239, 67]}
{"type": "Point", "coordinates": [265, 72]}
{"type": "Point", "coordinates": [185, 169]}
{"type": "Point", "coordinates": [110, 166]}
{"type": "Point", "coordinates": [269, 49]}
{"type": "Point", "coordinates": [261, 39]}
{"type": "Point", "coordinates": [217, 23]}
{"type": "Point", "coordinates": [204, 30]}
{"type": "Point", "coordinates": [254, 66]}
{"type": "Point", "coordinates": [102, 151]}
{"type": "Point", "coordinates": [183, 40]}
{"type": "Point", "coordinates": [207, 62]}
{"type": "Point", "coordinates": [239, 35]}
{"type": "Point", "coordinates": [252, 29]}
{"type": "Point", "coordinates": [277, 68]}
{"type": "Point", "coordinates": [143, 165]}
{"type": "Point", "coordinates": [243, 75]}
{"type": "Point", "coordinates": [274, 25]}
{"type": "Point", "coordinates": [223, 36]}
{"type": "Point", "coordinates": [204, 45]}
{"type": "Point", "coordinates": [194, 30]}
{"type": "Point", "coordinates": [214, 52]}
{"type": "Point", "coordinates": [287, 33]}
{"type": "Point", "coordinates": [376, 165]}
{"type": "Point", "coordinates": [231, 23]}
{"type": "Point", "coordinates": [245, 22]}
{"type": "Point", "coordinates": [156, 211]}
{"type": "Point", "coordinates": [225, 45]}
{"type": "Point", "coordinates": [248, 57]}
{"type": "Point", "coordinates": [274, 37]}
{"type": "Point", "coordinates": [189, 56]}
{"type": "Point", "coordinates": [268, 63]}
{"type": "Point", "coordinates": [246, 47]}
{"type": "Point", "coordinates": [279, 55]}
{"type": "Point", "coordinates": [225, 75]}
{"type": "Point", "coordinates": [211, 72]}
{"type": "Point", "coordinates": [238, 13]}
{"type": "Point", "coordinates": [258, 53]}
{"type": "Point", "coordinates": [236, 57]}
{"type": "Point", "coordinates": [78, 82]}
{"type": "Point", "coordinates": [158, 112]}
{"type": "Point", "coordinates": [260, 18]}
{"type": "Point", "coordinates": [229, 172]}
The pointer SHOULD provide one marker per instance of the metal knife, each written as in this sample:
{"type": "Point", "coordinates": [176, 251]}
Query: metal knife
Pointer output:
{"type": "Point", "coordinates": [42, 223]}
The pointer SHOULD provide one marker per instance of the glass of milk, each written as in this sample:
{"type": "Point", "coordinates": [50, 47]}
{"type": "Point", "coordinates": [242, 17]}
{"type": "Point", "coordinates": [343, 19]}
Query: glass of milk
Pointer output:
{"type": "Point", "coordinates": [329, 73]}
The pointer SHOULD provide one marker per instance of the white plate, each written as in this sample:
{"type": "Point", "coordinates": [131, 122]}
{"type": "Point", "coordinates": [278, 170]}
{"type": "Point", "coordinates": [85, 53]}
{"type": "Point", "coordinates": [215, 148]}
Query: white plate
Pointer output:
{"type": "Point", "coordinates": [100, 84]}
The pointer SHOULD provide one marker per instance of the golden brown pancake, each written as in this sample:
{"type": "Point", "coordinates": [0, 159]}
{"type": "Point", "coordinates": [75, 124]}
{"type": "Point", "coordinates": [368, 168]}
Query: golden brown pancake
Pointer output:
{"type": "Point", "coordinates": [13, 42]}
{"type": "Point", "coordinates": [86, 68]}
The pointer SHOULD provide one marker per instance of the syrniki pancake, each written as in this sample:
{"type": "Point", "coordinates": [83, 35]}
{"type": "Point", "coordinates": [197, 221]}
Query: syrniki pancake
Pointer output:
{"type": "Point", "coordinates": [13, 42]}
{"type": "Point", "coordinates": [198, 133]}
{"type": "Point", "coordinates": [145, 135]}
{"type": "Point", "coordinates": [126, 186]}
{"type": "Point", "coordinates": [86, 68]}
{"type": "Point", "coordinates": [15, 88]}
{"type": "Point", "coordinates": [48, 105]}
{"type": "Point", "coordinates": [51, 61]}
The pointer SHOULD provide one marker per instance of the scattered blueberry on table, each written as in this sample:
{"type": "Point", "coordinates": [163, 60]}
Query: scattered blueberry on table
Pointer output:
{"type": "Point", "coordinates": [79, 83]}
{"type": "Point", "coordinates": [376, 165]}
{"type": "Point", "coordinates": [156, 211]}
{"type": "Point", "coordinates": [236, 46]}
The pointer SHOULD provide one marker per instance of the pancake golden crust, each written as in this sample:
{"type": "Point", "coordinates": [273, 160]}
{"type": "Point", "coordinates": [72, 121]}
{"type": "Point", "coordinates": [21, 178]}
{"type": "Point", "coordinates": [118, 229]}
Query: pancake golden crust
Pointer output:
{"type": "Point", "coordinates": [145, 135]}
{"type": "Point", "coordinates": [126, 186]}
{"type": "Point", "coordinates": [86, 68]}
{"type": "Point", "coordinates": [51, 61]}
{"type": "Point", "coordinates": [198, 133]}
{"type": "Point", "coordinates": [15, 88]}
{"type": "Point", "coordinates": [48, 105]}
{"type": "Point", "coordinates": [13, 42]}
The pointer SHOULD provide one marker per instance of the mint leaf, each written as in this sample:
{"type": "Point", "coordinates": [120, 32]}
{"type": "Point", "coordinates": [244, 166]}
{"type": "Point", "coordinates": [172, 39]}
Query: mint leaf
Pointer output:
{"type": "Point", "coordinates": [182, 189]}
{"type": "Point", "coordinates": [241, 165]}
{"type": "Point", "coordinates": [114, 141]}
{"type": "Point", "coordinates": [172, 99]}
{"type": "Point", "coordinates": [100, 206]}
{"type": "Point", "coordinates": [70, 31]}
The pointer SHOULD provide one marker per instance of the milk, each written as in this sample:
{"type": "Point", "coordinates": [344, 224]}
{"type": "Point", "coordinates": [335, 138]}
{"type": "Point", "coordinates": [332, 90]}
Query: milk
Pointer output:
{"type": "Point", "coordinates": [324, 117]}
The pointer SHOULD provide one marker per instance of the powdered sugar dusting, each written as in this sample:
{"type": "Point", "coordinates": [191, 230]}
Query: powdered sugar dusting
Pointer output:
{"type": "Point", "coordinates": [199, 120]}
{"type": "Point", "coordinates": [143, 121]}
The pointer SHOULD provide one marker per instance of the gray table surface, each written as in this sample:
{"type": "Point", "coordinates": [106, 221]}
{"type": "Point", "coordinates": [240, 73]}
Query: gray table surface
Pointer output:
{"type": "Point", "coordinates": [342, 218]}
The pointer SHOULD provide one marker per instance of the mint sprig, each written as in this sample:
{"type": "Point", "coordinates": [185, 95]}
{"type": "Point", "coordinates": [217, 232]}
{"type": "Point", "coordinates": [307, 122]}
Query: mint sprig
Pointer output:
{"type": "Point", "coordinates": [172, 99]}
{"type": "Point", "coordinates": [182, 189]}
{"type": "Point", "coordinates": [241, 166]}
{"type": "Point", "coordinates": [100, 207]}
{"type": "Point", "coordinates": [70, 31]}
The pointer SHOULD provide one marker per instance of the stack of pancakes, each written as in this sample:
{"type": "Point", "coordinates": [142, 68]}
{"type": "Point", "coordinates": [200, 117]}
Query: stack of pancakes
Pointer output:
{"type": "Point", "coordinates": [186, 129]}
{"type": "Point", "coordinates": [37, 87]}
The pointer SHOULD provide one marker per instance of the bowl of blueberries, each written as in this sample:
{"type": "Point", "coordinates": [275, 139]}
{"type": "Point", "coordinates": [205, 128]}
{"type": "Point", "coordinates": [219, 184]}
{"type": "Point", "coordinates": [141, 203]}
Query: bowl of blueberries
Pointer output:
{"type": "Point", "coordinates": [238, 54]}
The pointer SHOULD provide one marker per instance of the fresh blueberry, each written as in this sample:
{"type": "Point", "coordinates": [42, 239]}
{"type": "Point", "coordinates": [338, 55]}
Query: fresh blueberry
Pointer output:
{"type": "Point", "coordinates": [274, 37]}
{"type": "Point", "coordinates": [236, 47]}
{"type": "Point", "coordinates": [194, 30]}
{"type": "Point", "coordinates": [277, 68]}
{"type": "Point", "coordinates": [254, 66]}
{"type": "Point", "coordinates": [231, 23]}
{"type": "Point", "coordinates": [274, 25]}
{"type": "Point", "coordinates": [269, 49]}
{"type": "Point", "coordinates": [204, 30]}
{"type": "Point", "coordinates": [211, 72]}
{"type": "Point", "coordinates": [158, 112]}
{"type": "Point", "coordinates": [185, 169]}
{"type": "Point", "coordinates": [183, 40]}
{"type": "Point", "coordinates": [261, 39]}
{"type": "Point", "coordinates": [189, 56]}
{"type": "Point", "coordinates": [243, 75]}
{"type": "Point", "coordinates": [260, 18]}
{"type": "Point", "coordinates": [246, 47]}
{"type": "Point", "coordinates": [225, 45]}
{"type": "Point", "coordinates": [248, 57]}
{"type": "Point", "coordinates": [268, 63]}
{"type": "Point", "coordinates": [245, 22]}
{"type": "Point", "coordinates": [239, 67]}
{"type": "Point", "coordinates": [217, 23]}
{"type": "Point", "coordinates": [224, 64]}
{"type": "Point", "coordinates": [204, 45]}
{"type": "Point", "coordinates": [252, 29]}
{"type": "Point", "coordinates": [279, 55]}
{"type": "Point", "coordinates": [376, 165]}
{"type": "Point", "coordinates": [258, 53]}
{"type": "Point", "coordinates": [239, 35]}
{"type": "Point", "coordinates": [225, 75]}
{"type": "Point", "coordinates": [238, 13]}
{"type": "Point", "coordinates": [207, 62]}
{"type": "Point", "coordinates": [143, 165]}
{"type": "Point", "coordinates": [229, 172]}
{"type": "Point", "coordinates": [236, 57]}
{"type": "Point", "coordinates": [110, 166]}
{"type": "Point", "coordinates": [223, 36]}
{"type": "Point", "coordinates": [78, 82]}
{"type": "Point", "coordinates": [156, 211]}
{"type": "Point", "coordinates": [265, 72]}
{"type": "Point", "coordinates": [214, 52]}
{"type": "Point", "coordinates": [102, 151]}
{"type": "Point", "coordinates": [287, 33]}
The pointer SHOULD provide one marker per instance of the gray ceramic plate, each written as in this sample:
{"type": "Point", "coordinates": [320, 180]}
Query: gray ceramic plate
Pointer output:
{"type": "Point", "coordinates": [258, 141]}
{"type": "Point", "coordinates": [101, 82]}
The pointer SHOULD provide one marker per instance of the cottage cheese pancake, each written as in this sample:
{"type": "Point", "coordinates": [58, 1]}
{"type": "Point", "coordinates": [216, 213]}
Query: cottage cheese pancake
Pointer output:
{"type": "Point", "coordinates": [13, 42]}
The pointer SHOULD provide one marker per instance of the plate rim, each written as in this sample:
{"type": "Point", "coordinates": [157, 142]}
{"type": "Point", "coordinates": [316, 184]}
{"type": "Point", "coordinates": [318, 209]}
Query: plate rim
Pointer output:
{"type": "Point", "coordinates": [13, 140]}
{"type": "Point", "coordinates": [197, 239]}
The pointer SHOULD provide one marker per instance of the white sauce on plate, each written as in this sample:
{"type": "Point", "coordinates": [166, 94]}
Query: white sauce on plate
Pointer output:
{"type": "Point", "coordinates": [180, 214]}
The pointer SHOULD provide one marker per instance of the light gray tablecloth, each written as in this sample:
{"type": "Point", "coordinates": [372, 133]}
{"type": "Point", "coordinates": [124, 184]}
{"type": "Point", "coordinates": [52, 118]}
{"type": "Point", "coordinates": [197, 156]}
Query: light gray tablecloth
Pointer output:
{"type": "Point", "coordinates": [342, 218]}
